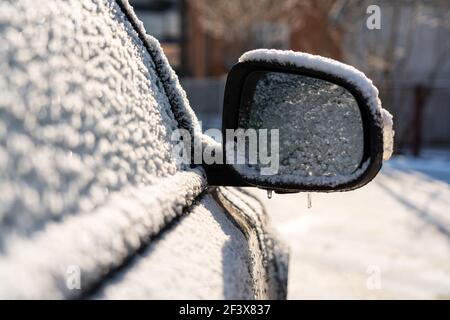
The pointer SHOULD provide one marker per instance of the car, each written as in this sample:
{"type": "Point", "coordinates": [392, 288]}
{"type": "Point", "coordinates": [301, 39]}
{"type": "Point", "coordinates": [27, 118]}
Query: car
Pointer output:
{"type": "Point", "coordinates": [102, 194]}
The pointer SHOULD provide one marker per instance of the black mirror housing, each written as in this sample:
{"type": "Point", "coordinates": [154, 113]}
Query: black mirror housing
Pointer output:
{"type": "Point", "coordinates": [255, 65]}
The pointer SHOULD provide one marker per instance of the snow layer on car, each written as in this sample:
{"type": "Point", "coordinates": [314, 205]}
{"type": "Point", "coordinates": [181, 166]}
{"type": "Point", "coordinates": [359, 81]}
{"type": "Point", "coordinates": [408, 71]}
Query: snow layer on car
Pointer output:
{"type": "Point", "coordinates": [388, 134]}
{"type": "Point", "coordinates": [94, 243]}
{"type": "Point", "coordinates": [213, 264]}
{"type": "Point", "coordinates": [177, 96]}
{"type": "Point", "coordinates": [79, 117]}
{"type": "Point", "coordinates": [339, 69]}
{"type": "Point", "coordinates": [84, 120]}
{"type": "Point", "coordinates": [270, 256]}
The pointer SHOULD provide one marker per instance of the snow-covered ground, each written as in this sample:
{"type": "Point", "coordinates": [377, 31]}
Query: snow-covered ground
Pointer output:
{"type": "Point", "coordinates": [389, 239]}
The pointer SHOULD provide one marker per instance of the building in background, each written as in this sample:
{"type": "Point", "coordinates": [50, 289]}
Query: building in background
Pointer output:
{"type": "Point", "coordinates": [195, 51]}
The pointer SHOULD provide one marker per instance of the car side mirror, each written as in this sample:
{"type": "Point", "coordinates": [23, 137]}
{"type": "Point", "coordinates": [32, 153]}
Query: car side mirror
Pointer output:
{"type": "Point", "coordinates": [298, 122]}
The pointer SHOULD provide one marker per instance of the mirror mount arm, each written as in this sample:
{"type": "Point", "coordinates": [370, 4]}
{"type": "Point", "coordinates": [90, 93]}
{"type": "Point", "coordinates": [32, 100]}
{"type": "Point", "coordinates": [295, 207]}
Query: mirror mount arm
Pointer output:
{"type": "Point", "coordinates": [222, 175]}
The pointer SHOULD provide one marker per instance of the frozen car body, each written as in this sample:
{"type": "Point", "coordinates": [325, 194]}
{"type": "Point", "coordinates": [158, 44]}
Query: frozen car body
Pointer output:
{"type": "Point", "coordinates": [92, 203]}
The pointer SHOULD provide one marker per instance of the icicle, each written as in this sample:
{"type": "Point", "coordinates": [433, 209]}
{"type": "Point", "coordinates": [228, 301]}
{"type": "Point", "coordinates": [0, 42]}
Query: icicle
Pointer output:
{"type": "Point", "coordinates": [269, 194]}
{"type": "Point", "coordinates": [309, 200]}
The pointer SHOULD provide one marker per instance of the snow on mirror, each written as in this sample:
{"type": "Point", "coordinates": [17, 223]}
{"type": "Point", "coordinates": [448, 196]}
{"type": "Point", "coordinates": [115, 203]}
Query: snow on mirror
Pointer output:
{"type": "Point", "coordinates": [320, 125]}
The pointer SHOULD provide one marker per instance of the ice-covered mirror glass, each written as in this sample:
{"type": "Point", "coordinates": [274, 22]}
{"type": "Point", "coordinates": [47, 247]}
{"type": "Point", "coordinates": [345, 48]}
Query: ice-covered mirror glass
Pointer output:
{"type": "Point", "coordinates": [320, 125]}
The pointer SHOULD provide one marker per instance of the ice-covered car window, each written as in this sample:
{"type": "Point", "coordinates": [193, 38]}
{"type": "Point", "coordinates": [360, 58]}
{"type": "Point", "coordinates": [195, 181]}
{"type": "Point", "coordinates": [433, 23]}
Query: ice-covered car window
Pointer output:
{"type": "Point", "coordinates": [83, 113]}
{"type": "Point", "coordinates": [323, 117]}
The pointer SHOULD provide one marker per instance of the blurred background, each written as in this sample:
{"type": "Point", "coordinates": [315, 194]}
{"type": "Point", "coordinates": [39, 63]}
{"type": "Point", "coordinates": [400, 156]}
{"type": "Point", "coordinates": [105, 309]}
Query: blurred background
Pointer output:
{"type": "Point", "coordinates": [390, 239]}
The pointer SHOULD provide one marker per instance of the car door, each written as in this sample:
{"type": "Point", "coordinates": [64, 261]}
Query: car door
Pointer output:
{"type": "Point", "coordinates": [93, 203]}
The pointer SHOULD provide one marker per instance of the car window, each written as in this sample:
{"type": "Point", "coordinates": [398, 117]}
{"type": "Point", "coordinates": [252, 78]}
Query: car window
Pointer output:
{"type": "Point", "coordinates": [83, 113]}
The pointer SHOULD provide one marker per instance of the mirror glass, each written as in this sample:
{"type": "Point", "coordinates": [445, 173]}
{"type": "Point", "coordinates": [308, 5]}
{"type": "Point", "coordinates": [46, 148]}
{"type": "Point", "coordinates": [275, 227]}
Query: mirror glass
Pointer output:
{"type": "Point", "coordinates": [319, 123]}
